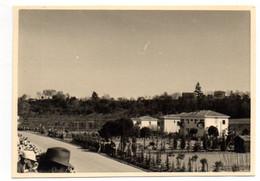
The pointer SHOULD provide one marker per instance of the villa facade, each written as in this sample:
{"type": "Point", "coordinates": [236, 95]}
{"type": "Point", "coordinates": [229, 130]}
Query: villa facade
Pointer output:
{"type": "Point", "coordinates": [199, 120]}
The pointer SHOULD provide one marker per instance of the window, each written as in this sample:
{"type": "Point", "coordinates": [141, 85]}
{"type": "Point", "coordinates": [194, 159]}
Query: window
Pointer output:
{"type": "Point", "coordinates": [191, 120]}
{"type": "Point", "coordinates": [150, 123]}
{"type": "Point", "coordinates": [187, 120]}
{"type": "Point", "coordinates": [174, 121]}
{"type": "Point", "coordinates": [223, 121]}
{"type": "Point", "coordinates": [182, 120]}
{"type": "Point", "coordinates": [195, 121]}
{"type": "Point", "coordinates": [202, 120]}
{"type": "Point", "coordinates": [200, 125]}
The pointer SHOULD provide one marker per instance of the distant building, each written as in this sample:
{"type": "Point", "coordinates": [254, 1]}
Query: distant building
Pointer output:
{"type": "Point", "coordinates": [188, 95]}
{"type": "Point", "coordinates": [169, 123]}
{"type": "Point", "coordinates": [202, 120]}
{"type": "Point", "coordinates": [219, 94]}
{"type": "Point", "coordinates": [146, 121]}
{"type": "Point", "coordinates": [136, 121]}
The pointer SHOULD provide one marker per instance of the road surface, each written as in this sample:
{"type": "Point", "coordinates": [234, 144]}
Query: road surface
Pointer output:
{"type": "Point", "coordinates": [82, 160]}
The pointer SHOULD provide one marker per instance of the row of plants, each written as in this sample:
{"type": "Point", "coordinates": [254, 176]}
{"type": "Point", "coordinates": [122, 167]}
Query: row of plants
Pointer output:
{"type": "Point", "coordinates": [149, 159]}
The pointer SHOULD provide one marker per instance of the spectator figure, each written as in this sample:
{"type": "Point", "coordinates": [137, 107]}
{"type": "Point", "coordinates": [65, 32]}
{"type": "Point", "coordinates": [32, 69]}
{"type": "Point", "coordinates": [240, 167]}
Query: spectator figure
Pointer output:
{"type": "Point", "coordinates": [27, 163]}
{"type": "Point", "coordinates": [102, 145]}
{"type": "Point", "coordinates": [113, 148]}
{"type": "Point", "coordinates": [129, 149]}
{"type": "Point", "coordinates": [99, 146]}
{"type": "Point", "coordinates": [56, 160]}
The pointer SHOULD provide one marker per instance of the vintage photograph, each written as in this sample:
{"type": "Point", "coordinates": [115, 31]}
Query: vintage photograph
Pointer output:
{"type": "Point", "coordinates": [121, 91]}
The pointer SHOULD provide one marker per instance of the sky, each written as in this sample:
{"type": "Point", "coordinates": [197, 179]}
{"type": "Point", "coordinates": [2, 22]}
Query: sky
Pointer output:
{"type": "Point", "coordinates": [132, 53]}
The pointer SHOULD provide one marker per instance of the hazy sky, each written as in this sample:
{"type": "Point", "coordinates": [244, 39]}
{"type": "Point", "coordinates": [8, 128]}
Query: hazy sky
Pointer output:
{"type": "Point", "coordinates": [133, 53]}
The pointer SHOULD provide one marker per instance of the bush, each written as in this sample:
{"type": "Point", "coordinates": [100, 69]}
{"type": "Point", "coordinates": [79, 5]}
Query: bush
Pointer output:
{"type": "Point", "coordinates": [183, 168]}
{"type": "Point", "coordinates": [235, 168]}
{"type": "Point", "coordinates": [152, 144]}
{"type": "Point", "coordinates": [213, 131]}
{"type": "Point", "coordinates": [178, 158]}
{"type": "Point", "coordinates": [223, 145]}
{"type": "Point", "coordinates": [189, 165]}
{"type": "Point", "coordinates": [246, 131]}
{"type": "Point", "coordinates": [215, 143]}
{"type": "Point", "coordinates": [218, 166]}
{"type": "Point", "coordinates": [197, 147]}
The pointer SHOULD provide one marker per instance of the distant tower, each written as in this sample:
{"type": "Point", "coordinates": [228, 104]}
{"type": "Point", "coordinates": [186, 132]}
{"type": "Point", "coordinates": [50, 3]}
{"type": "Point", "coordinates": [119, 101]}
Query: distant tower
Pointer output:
{"type": "Point", "coordinates": [198, 92]}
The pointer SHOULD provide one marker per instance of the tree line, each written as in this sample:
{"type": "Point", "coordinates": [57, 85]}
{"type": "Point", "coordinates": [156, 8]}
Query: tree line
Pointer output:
{"type": "Point", "coordinates": [236, 105]}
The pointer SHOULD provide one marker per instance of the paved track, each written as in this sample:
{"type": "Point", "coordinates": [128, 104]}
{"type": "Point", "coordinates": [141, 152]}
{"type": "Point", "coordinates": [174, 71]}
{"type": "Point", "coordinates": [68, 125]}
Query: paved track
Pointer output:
{"type": "Point", "coordinates": [82, 160]}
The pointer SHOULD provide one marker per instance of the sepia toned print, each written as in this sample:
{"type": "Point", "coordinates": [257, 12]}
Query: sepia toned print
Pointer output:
{"type": "Point", "coordinates": [133, 91]}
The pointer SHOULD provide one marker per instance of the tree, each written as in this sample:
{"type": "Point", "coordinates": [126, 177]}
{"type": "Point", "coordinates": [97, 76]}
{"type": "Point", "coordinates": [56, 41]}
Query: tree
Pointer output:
{"type": "Point", "coordinates": [178, 158]}
{"type": "Point", "coordinates": [59, 95]}
{"type": "Point", "coordinates": [197, 146]}
{"type": "Point", "coordinates": [246, 131]}
{"type": "Point", "coordinates": [218, 166]}
{"type": "Point", "coordinates": [48, 93]}
{"type": "Point", "coordinates": [23, 106]}
{"type": "Point", "coordinates": [183, 168]}
{"type": "Point", "coordinates": [223, 143]}
{"type": "Point", "coordinates": [167, 162]}
{"type": "Point", "coordinates": [175, 141]}
{"type": "Point", "coordinates": [134, 146]}
{"type": "Point", "coordinates": [188, 147]}
{"type": "Point", "coordinates": [205, 141]}
{"type": "Point", "coordinates": [144, 133]}
{"type": "Point", "coordinates": [136, 132]}
{"type": "Point", "coordinates": [231, 136]}
{"type": "Point", "coordinates": [121, 127]}
{"type": "Point", "coordinates": [23, 97]}
{"type": "Point", "coordinates": [125, 129]}
{"type": "Point", "coordinates": [215, 143]}
{"type": "Point", "coordinates": [198, 93]}
{"type": "Point", "coordinates": [189, 166]}
{"type": "Point", "coordinates": [39, 95]}
{"type": "Point", "coordinates": [106, 96]}
{"type": "Point", "coordinates": [173, 166]}
{"type": "Point", "coordinates": [204, 163]}
{"type": "Point", "coordinates": [94, 96]}
{"type": "Point", "coordinates": [109, 129]}
{"type": "Point", "coordinates": [158, 159]}
{"type": "Point", "coordinates": [213, 131]}
{"type": "Point", "coordinates": [194, 160]}
{"type": "Point", "coordinates": [183, 143]}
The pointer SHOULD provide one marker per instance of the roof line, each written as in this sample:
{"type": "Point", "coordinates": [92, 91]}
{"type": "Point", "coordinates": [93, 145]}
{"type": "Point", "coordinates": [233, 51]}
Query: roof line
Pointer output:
{"type": "Point", "coordinates": [218, 116]}
{"type": "Point", "coordinates": [206, 113]}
